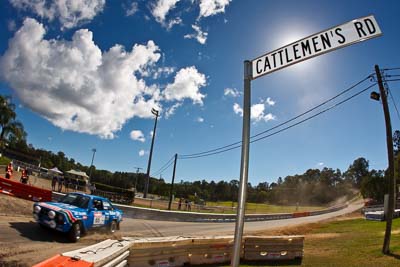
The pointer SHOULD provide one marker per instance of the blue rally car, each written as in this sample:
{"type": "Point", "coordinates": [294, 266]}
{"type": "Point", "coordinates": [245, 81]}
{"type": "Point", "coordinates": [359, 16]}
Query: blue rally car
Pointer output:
{"type": "Point", "coordinates": [76, 213]}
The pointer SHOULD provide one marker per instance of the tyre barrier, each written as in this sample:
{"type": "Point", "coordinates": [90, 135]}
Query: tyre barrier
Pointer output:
{"type": "Point", "coordinates": [180, 251]}
{"type": "Point", "coordinates": [24, 191]}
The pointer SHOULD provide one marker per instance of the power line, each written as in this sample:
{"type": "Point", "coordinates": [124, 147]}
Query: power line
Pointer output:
{"type": "Point", "coordinates": [394, 103]}
{"type": "Point", "coordinates": [315, 115]}
{"type": "Point", "coordinates": [390, 92]}
{"type": "Point", "coordinates": [286, 128]}
{"type": "Point", "coordinates": [234, 145]}
{"type": "Point", "coordinates": [396, 68]}
{"type": "Point", "coordinates": [163, 168]}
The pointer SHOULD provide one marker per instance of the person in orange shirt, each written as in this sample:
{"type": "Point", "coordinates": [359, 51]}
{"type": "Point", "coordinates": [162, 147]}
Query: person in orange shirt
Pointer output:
{"type": "Point", "coordinates": [9, 171]}
{"type": "Point", "coordinates": [24, 177]}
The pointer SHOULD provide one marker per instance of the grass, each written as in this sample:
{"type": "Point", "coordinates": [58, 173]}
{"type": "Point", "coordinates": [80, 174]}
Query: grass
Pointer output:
{"type": "Point", "coordinates": [264, 208]}
{"type": "Point", "coordinates": [358, 243]}
{"type": "Point", "coordinates": [355, 242]}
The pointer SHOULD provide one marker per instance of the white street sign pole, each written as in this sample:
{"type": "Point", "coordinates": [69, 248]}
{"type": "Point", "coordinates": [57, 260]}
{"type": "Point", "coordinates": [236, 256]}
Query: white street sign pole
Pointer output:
{"type": "Point", "coordinates": [244, 167]}
{"type": "Point", "coordinates": [317, 44]}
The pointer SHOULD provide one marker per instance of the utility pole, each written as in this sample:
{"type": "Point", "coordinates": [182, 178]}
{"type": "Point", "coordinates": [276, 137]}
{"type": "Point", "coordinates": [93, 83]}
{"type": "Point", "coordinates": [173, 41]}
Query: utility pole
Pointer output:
{"type": "Point", "coordinates": [146, 186]}
{"type": "Point", "coordinates": [392, 181]}
{"type": "Point", "coordinates": [172, 184]}
{"type": "Point", "coordinates": [91, 164]}
{"type": "Point", "coordinates": [137, 177]}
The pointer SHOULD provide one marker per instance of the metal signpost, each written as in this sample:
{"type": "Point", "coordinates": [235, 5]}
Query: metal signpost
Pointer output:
{"type": "Point", "coordinates": [317, 44]}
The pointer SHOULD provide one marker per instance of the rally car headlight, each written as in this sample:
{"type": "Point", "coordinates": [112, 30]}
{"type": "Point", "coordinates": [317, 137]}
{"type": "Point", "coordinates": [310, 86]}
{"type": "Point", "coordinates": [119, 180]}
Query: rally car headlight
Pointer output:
{"type": "Point", "coordinates": [51, 214]}
{"type": "Point", "coordinates": [60, 218]}
{"type": "Point", "coordinates": [36, 209]}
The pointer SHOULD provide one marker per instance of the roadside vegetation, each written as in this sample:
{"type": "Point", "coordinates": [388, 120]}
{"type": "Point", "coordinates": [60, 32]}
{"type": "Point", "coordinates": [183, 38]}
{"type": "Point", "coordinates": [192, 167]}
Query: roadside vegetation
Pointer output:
{"type": "Point", "coordinates": [265, 208]}
{"type": "Point", "coordinates": [314, 188]}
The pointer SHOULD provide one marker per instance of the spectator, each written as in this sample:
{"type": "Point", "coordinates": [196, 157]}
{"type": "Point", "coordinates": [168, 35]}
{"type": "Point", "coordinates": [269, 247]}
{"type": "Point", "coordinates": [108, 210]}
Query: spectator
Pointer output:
{"type": "Point", "coordinates": [24, 177]}
{"type": "Point", "coordinates": [189, 205]}
{"type": "Point", "coordinates": [9, 170]}
{"type": "Point", "coordinates": [54, 183]}
{"type": "Point", "coordinates": [180, 204]}
{"type": "Point", "coordinates": [67, 183]}
{"type": "Point", "coordinates": [186, 204]}
{"type": "Point", "coordinates": [92, 189]}
{"type": "Point", "coordinates": [60, 183]}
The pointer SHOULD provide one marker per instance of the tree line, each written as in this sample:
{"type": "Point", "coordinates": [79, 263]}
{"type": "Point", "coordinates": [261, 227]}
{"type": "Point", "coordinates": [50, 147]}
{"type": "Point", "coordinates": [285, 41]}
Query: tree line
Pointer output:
{"type": "Point", "coordinates": [313, 187]}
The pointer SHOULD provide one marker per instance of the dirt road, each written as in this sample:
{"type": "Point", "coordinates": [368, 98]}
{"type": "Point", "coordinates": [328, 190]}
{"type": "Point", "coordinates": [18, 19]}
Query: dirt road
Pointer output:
{"type": "Point", "coordinates": [22, 241]}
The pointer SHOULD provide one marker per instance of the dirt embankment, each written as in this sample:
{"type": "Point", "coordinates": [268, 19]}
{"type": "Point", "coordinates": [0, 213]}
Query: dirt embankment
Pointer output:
{"type": "Point", "coordinates": [12, 206]}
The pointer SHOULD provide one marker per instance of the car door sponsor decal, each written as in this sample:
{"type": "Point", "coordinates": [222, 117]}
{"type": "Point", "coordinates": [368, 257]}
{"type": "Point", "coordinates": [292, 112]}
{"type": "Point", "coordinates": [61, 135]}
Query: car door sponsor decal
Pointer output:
{"type": "Point", "coordinates": [99, 218]}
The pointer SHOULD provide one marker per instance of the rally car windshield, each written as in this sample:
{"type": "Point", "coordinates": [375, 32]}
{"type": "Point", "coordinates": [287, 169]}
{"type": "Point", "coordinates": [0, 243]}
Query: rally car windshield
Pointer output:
{"type": "Point", "coordinates": [76, 200]}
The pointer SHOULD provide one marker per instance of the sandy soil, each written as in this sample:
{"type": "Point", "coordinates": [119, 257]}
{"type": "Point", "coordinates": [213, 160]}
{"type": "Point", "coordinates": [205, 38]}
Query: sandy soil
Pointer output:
{"type": "Point", "coordinates": [15, 214]}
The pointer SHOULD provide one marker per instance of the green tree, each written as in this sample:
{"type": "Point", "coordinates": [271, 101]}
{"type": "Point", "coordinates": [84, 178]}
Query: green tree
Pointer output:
{"type": "Point", "coordinates": [10, 127]}
{"type": "Point", "coordinates": [357, 171]}
{"type": "Point", "coordinates": [375, 185]}
{"type": "Point", "coordinates": [396, 141]}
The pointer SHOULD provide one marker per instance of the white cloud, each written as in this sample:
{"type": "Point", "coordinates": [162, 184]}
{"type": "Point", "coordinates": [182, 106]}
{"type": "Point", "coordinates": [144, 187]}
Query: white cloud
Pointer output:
{"type": "Point", "coordinates": [171, 23]}
{"type": "Point", "coordinates": [131, 9]}
{"type": "Point", "coordinates": [212, 7]}
{"type": "Point", "coordinates": [76, 86]}
{"type": "Point", "coordinates": [237, 109]}
{"type": "Point", "coordinates": [171, 110]}
{"type": "Point", "coordinates": [142, 152]}
{"type": "Point", "coordinates": [137, 135]}
{"type": "Point", "coordinates": [160, 11]}
{"type": "Point", "coordinates": [233, 92]}
{"type": "Point", "coordinates": [199, 35]}
{"type": "Point", "coordinates": [187, 84]}
{"type": "Point", "coordinates": [270, 102]}
{"type": "Point", "coordinates": [70, 13]}
{"type": "Point", "coordinates": [320, 164]}
{"type": "Point", "coordinates": [164, 71]}
{"type": "Point", "coordinates": [257, 112]}
{"type": "Point", "coordinates": [151, 133]}
{"type": "Point", "coordinates": [200, 119]}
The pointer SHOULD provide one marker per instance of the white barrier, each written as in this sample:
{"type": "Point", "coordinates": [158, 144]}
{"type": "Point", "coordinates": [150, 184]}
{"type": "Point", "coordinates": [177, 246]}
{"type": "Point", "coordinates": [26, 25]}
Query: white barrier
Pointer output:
{"type": "Point", "coordinates": [179, 251]}
{"type": "Point", "coordinates": [107, 253]}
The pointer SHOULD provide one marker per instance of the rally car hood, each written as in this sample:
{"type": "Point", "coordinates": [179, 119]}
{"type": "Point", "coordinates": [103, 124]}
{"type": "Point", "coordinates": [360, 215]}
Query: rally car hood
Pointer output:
{"type": "Point", "coordinates": [57, 206]}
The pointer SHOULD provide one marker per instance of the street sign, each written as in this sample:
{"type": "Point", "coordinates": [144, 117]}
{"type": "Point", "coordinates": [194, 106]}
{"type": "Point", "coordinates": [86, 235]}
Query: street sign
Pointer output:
{"type": "Point", "coordinates": [323, 42]}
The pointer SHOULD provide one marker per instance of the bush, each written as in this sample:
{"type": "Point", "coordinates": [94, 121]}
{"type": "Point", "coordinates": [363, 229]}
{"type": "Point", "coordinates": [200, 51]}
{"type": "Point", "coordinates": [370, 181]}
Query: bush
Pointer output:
{"type": "Point", "coordinates": [4, 160]}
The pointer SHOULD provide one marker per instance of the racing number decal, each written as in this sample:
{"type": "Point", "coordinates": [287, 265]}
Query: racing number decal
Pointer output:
{"type": "Point", "coordinates": [99, 218]}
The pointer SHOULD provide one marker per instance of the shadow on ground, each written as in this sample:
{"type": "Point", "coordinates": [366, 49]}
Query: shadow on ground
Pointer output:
{"type": "Point", "coordinates": [35, 232]}
{"type": "Point", "coordinates": [396, 256]}
{"type": "Point", "coordinates": [259, 263]}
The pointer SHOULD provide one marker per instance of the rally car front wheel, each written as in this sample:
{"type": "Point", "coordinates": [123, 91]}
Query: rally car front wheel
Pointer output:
{"type": "Point", "coordinates": [75, 232]}
{"type": "Point", "coordinates": [113, 227]}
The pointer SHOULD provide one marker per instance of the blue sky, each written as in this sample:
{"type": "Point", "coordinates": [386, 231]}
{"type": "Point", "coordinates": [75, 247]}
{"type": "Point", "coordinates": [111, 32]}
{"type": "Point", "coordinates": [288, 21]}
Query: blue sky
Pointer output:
{"type": "Point", "coordinates": [87, 75]}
